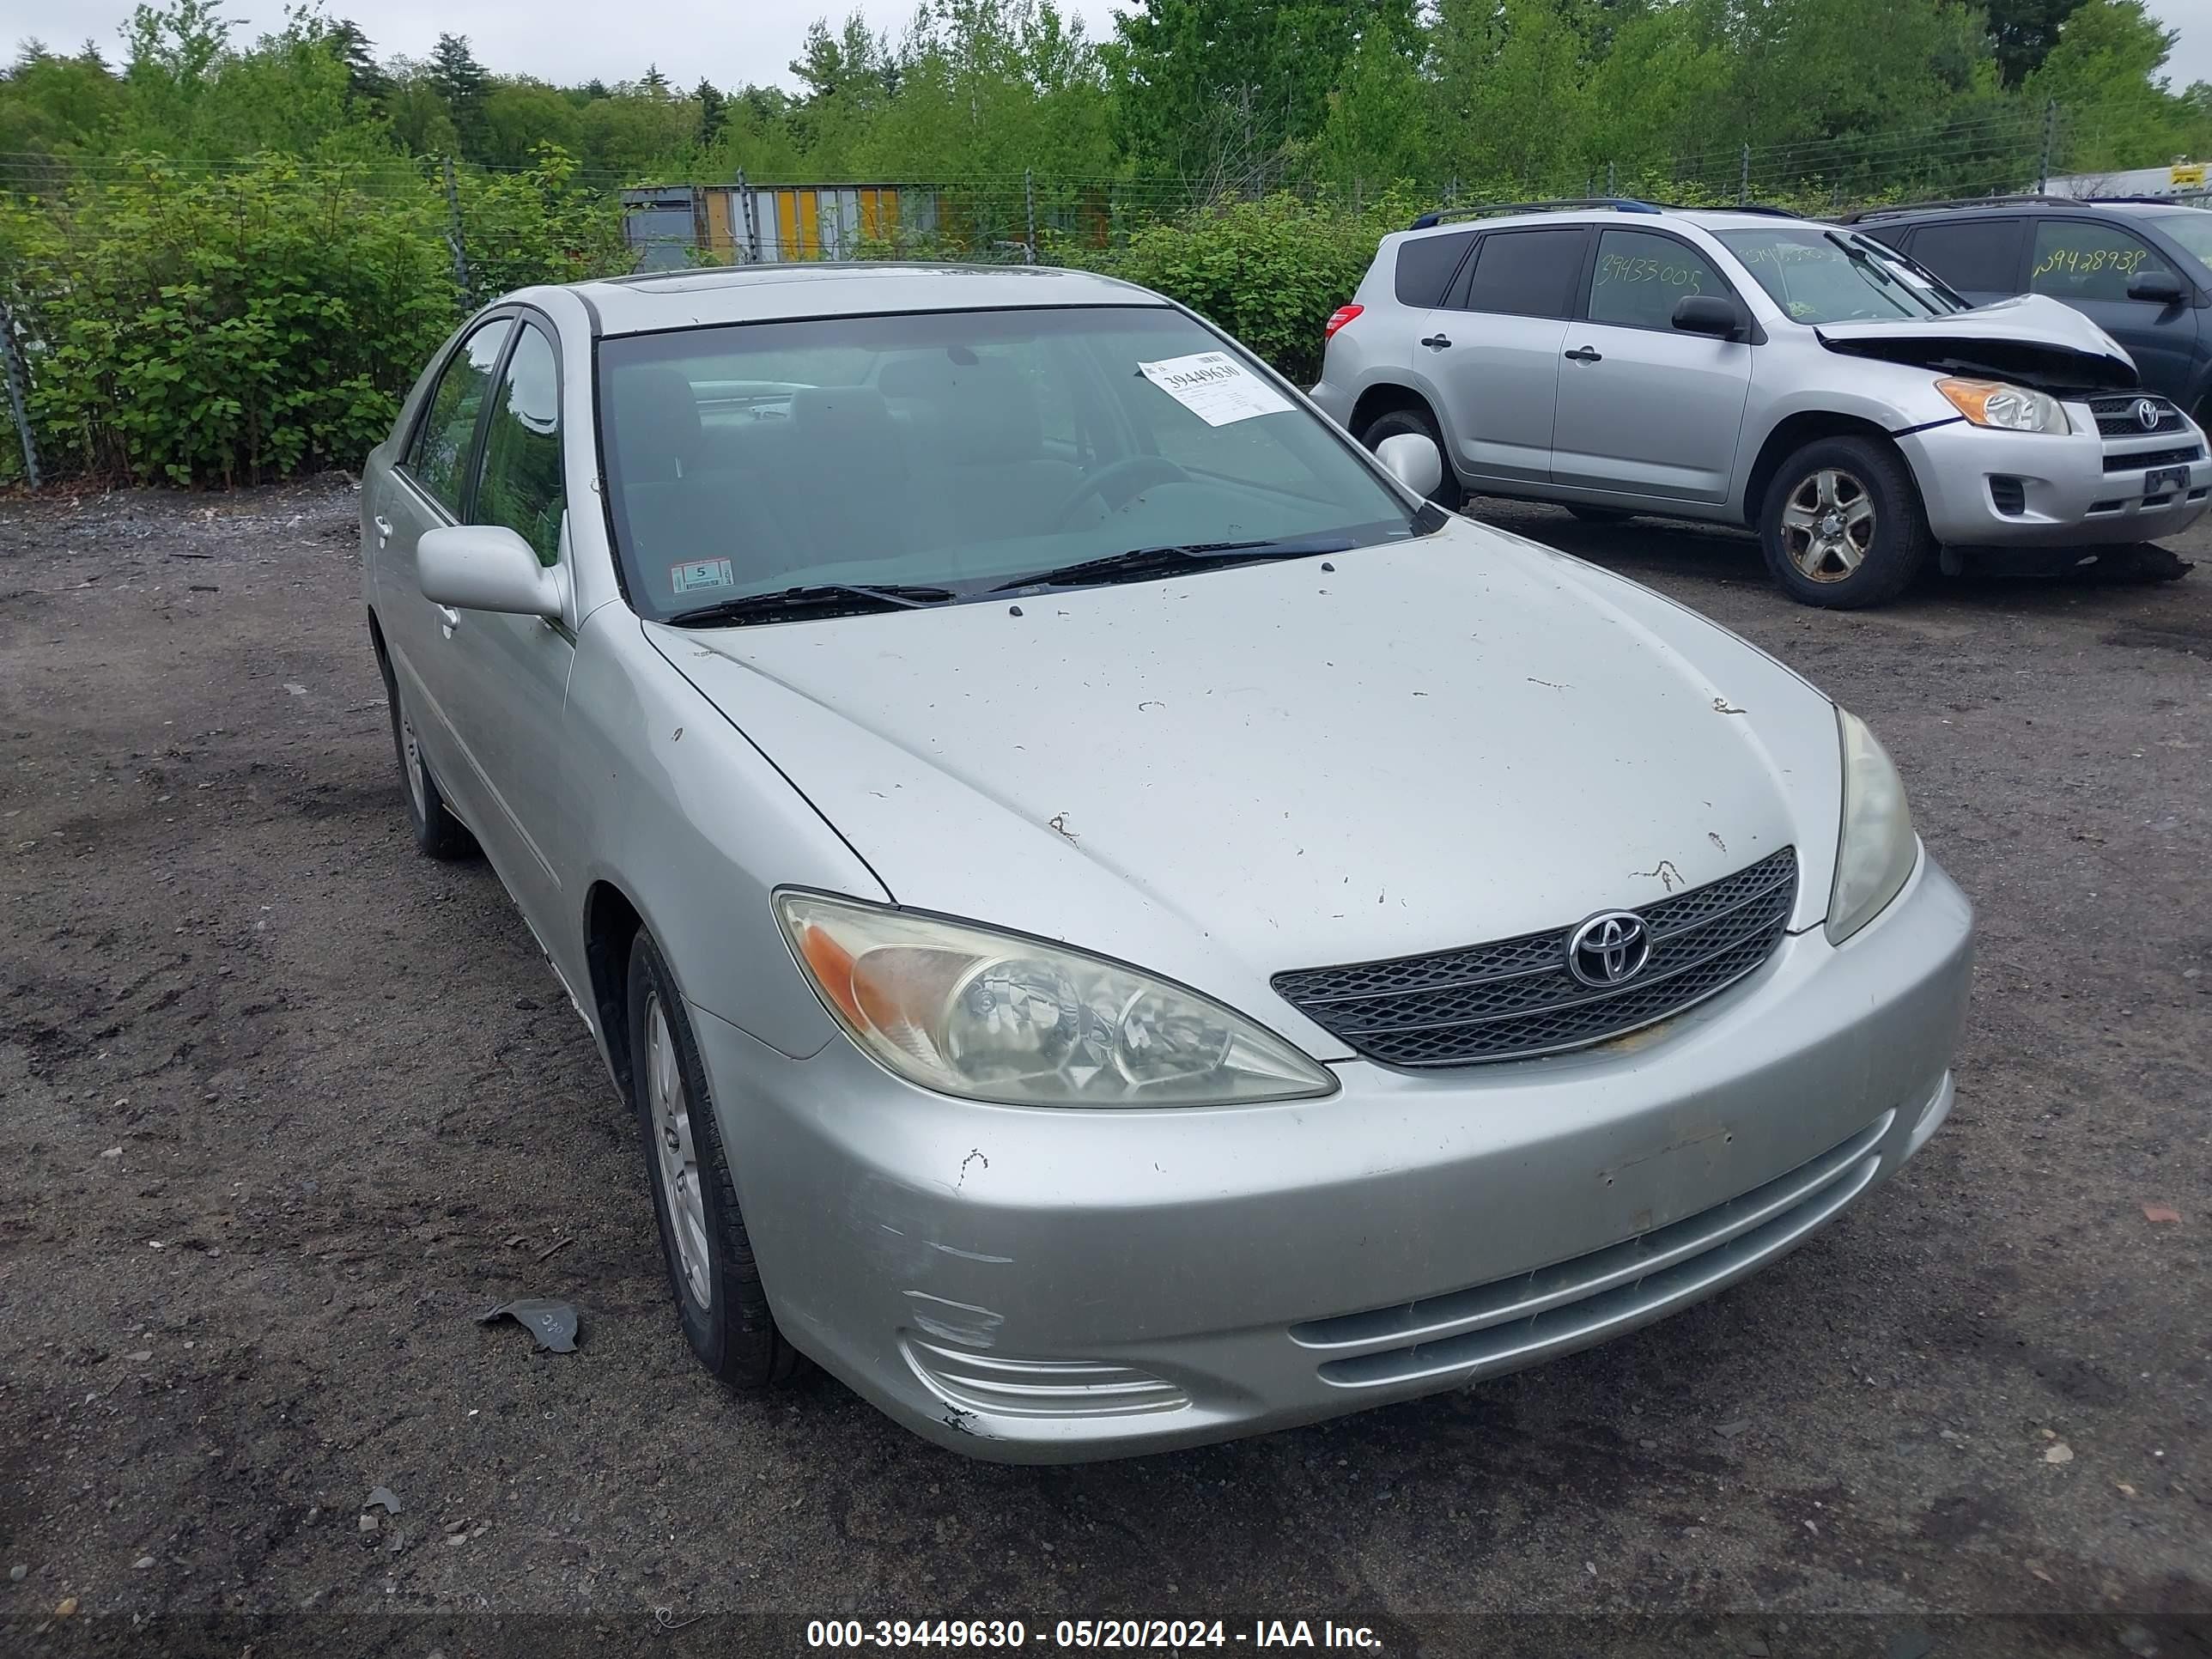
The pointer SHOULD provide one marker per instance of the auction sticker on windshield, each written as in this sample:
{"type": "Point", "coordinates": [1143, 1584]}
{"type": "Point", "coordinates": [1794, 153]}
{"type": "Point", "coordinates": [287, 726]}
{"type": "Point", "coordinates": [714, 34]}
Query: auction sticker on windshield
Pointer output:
{"type": "Point", "coordinates": [1215, 387]}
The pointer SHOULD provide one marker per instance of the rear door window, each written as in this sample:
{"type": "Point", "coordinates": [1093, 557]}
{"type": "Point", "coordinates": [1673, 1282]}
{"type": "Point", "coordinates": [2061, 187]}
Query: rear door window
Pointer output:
{"type": "Point", "coordinates": [439, 457]}
{"type": "Point", "coordinates": [1976, 254]}
{"type": "Point", "coordinates": [2083, 259]}
{"type": "Point", "coordinates": [1425, 265]}
{"type": "Point", "coordinates": [1525, 273]}
{"type": "Point", "coordinates": [1639, 277]}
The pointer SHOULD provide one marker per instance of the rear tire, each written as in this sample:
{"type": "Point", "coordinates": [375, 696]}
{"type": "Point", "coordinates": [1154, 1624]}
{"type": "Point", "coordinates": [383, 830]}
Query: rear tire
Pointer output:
{"type": "Point", "coordinates": [720, 1301]}
{"type": "Point", "coordinates": [438, 834]}
{"type": "Point", "coordinates": [1600, 515]}
{"type": "Point", "coordinates": [1448, 493]}
{"type": "Point", "coordinates": [1842, 525]}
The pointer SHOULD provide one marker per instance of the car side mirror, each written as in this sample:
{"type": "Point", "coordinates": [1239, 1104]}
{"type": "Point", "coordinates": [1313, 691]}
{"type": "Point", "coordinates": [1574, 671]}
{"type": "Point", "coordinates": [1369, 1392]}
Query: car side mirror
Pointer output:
{"type": "Point", "coordinates": [1705, 313]}
{"type": "Point", "coordinates": [1412, 460]}
{"type": "Point", "coordinates": [2158, 286]}
{"type": "Point", "coordinates": [486, 567]}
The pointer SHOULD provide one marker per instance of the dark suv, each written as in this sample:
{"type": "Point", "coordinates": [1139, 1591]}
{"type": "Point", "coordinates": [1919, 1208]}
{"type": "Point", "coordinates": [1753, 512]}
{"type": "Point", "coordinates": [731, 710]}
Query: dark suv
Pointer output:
{"type": "Point", "coordinates": [2141, 270]}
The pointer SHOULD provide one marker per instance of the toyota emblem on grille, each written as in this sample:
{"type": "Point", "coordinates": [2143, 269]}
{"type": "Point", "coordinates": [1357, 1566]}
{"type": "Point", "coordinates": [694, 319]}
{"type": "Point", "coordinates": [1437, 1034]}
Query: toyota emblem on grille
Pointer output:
{"type": "Point", "coordinates": [1610, 949]}
{"type": "Point", "coordinates": [2147, 415]}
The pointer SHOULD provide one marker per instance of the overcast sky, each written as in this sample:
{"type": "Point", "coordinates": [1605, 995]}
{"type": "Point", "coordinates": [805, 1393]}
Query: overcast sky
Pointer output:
{"type": "Point", "coordinates": [749, 41]}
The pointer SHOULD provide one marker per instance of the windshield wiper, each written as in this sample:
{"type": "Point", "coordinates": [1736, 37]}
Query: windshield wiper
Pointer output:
{"type": "Point", "coordinates": [816, 598]}
{"type": "Point", "coordinates": [1175, 559]}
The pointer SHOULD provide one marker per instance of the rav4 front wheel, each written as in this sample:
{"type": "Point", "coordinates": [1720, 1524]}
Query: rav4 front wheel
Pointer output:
{"type": "Point", "coordinates": [1842, 525]}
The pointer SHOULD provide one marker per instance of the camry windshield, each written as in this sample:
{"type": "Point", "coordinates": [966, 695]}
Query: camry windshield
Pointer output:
{"type": "Point", "coordinates": [1818, 275]}
{"type": "Point", "coordinates": [2192, 229]}
{"type": "Point", "coordinates": [919, 458]}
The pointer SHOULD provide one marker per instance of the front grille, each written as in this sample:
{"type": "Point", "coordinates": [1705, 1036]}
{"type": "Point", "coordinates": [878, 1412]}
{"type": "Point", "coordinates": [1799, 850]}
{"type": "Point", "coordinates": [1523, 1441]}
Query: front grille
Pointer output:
{"type": "Point", "coordinates": [1514, 998]}
{"type": "Point", "coordinates": [2143, 458]}
{"type": "Point", "coordinates": [2116, 416]}
{"type": "Point", "coordinates": [1511, 1322]}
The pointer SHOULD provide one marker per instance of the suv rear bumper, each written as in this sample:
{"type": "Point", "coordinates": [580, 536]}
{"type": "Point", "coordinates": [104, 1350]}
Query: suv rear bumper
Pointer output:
{"type": "Point", "coordinates": [1988, 488]}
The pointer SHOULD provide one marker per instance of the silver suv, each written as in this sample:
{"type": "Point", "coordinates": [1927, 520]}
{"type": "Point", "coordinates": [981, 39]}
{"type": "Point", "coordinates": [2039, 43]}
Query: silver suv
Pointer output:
{"type": "Point", "coordinates": [1752, 368]}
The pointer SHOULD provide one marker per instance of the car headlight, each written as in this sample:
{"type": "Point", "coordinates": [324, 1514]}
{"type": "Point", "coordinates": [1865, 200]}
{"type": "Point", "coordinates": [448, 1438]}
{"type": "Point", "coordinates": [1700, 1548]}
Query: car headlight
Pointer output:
{"type": "Point", "coordinates": [1877, 850]}
{"type": "Point", "coordinates": [2010, 408]}
{"type": "Point", "coordinates": [971, 1011]}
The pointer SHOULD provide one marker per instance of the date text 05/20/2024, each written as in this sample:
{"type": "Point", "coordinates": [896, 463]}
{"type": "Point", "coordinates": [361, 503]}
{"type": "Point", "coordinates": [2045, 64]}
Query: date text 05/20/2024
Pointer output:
{"type": "Point", "coordinates": [1153, 1635]}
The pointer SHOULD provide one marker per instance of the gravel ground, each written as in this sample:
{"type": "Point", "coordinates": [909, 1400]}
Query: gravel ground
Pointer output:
{"type": "Point", "coordinates": [286, 1106]}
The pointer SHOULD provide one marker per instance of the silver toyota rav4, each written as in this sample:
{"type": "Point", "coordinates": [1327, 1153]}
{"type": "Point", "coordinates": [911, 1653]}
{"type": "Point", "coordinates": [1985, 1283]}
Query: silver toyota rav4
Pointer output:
{"type": "Point", "coordinates": [1751, 367]}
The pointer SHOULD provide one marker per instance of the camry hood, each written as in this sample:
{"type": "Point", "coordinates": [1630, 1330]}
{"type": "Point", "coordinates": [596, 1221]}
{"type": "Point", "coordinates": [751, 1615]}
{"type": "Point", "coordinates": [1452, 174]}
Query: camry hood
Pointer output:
{"type": "Point", "coordinates": [1230, 774]}
{"type": "Point", "coordinates": [2031, 339]}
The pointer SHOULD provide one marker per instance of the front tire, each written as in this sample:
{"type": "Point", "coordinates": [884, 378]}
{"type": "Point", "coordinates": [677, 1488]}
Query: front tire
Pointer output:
{"type": "Point", "coordinates": [438, 834]}
{"type": "Point", "coordinates": [1843, 526]}
{"type": "Point", "coordinates": [716, 1283]}
{"type": "Point", "coordinates": [1448, 493]}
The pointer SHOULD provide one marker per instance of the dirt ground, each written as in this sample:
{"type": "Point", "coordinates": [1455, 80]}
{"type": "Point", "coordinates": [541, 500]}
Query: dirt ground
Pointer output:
{"type": "Point", "coordinates": [283, 1107]}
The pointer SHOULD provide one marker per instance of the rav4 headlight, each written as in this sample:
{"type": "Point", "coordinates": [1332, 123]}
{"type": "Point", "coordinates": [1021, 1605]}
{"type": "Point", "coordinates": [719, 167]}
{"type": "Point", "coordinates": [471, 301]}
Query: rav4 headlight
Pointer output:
{"type": "Point", "coordinates": [1876, 852]}
{"type": "Point", "coordinates": [971, 1011]}
{"type": "Point", "coordinates": [2009, 408]}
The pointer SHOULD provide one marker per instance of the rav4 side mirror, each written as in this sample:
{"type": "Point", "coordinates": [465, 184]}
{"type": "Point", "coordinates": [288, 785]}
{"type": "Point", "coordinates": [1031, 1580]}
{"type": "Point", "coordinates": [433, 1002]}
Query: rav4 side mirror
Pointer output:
{"type": "Point", "coordinates": [1705, 313]}
{"type": "Point", "coordinates": [2158, 286]}
{"type": "Point", "coordinates": [485, 567]}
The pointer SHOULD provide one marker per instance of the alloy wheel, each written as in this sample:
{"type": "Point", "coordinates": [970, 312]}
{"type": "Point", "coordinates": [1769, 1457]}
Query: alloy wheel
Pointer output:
{"type": "Point", "coordinates": [412, 753]}
{"type": "Point", "coordinates": [1828, 525]}
{"type": "Point", "coordinates": [678, 1162]}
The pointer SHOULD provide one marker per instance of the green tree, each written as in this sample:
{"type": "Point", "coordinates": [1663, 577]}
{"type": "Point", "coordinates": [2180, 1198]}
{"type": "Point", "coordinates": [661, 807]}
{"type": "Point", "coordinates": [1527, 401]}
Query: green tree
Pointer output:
{"type": "Point", "coordinates": [365, 79]}
{"type": "Point", "coordinates": [53, 108]}
{"type": "Point", "coordinates": [713, 114]}
{"type": "Point", "coordinates": [1375, 133]}
{"type": "Point", "coordinates": [2023, 33]}
{"type": "Point", "coordinates": [1513, 94]}
{"type": "Point", "coordinates": [462, 85]}
{"type": "Point", "coordinates": [520, 116]}
{"type": "Point", "coordinates": [1209, 91]}
{"type": "Point", "coordinates": [2105, 75]}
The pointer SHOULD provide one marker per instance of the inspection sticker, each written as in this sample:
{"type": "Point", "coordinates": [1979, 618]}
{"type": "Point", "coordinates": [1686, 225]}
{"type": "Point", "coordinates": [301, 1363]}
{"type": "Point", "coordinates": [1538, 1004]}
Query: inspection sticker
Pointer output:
{"type": "Point", "coordinates": [1215, 387]}
{"type": "Point", "coordinates": [701, 573]}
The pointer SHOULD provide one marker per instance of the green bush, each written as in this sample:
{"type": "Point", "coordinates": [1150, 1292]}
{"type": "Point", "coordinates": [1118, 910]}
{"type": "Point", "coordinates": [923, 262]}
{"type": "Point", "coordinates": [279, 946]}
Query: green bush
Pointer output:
{"type": "Point", "coordinates": [1268, 272]}
{"type": "Point", "coordinates": [183, 328]}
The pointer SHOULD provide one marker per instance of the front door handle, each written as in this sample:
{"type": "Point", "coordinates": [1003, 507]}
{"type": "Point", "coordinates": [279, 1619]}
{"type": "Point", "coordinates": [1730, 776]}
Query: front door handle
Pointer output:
{"type": "Point", "coordinates": [1437, 343]}
{"type": "Point", "coordinates": [1586, 354]}
{"type": "Point", "coordinates": [448, 620]}
{"type": "Point", "coordinates": [383, 529]}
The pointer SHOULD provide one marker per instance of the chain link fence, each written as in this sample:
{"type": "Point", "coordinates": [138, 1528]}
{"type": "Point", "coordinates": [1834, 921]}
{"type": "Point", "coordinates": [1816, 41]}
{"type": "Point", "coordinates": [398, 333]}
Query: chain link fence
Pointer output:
{"type": "Point", "coordinates": [218, 321]}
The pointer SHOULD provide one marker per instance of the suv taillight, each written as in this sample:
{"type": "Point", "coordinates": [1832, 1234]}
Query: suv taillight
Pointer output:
{"type": "Point", "coordinates": [1338, 319]}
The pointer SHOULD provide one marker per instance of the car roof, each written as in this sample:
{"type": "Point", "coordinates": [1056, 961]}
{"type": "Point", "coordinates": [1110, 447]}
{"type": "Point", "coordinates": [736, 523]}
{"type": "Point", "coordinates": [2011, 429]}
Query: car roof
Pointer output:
{"type": "Point", "coordinates": [786, 292]}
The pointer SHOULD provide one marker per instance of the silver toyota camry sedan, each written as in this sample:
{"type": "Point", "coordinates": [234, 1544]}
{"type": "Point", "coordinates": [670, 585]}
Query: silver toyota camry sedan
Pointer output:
{"type": "Point", "coordinates": [1120, 923]}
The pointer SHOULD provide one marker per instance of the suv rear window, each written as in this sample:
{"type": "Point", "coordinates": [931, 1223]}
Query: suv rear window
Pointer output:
{"type": "Point", "coordinates": [1525, 273]}
{"type": "Point", "coordinates": [1426, 265]}
{"type": "Point", "coordinates": [1981, 254]}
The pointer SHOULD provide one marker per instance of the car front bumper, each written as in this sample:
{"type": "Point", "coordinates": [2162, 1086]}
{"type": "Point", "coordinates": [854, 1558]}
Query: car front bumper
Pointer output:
{"type": "Point", "coordinates": [1035, 1285]}
{"type": "Point", "coordinates": [1984, 488]}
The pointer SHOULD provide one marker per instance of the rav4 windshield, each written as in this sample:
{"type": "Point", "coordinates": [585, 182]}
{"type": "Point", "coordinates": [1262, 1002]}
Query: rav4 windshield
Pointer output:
{"type": "Point", "coordinates": [1818, 275]}
{"type": "Point", "coordinates": [962, 450]}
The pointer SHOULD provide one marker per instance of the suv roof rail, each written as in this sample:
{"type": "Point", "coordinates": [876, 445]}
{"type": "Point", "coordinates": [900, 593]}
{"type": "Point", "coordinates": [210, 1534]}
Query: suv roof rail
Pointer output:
{"type": "Point", "coordinates": [1618, 203]}
{"type": "Point", "coordinates": [2021, 199]}
{"type": "Point", "coordinates": [2181, 199]}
